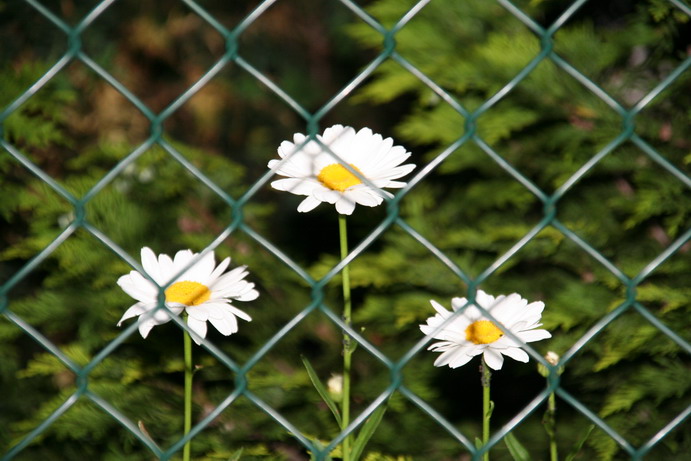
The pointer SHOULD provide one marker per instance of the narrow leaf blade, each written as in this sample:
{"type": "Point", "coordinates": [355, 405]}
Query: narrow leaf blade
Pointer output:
{"type": "Point", "coordinates": [579, 444]}
{"type": "Point", "coordinates": [323, 393]}
{"type": "Point", "coordinates": [237, 455]}
{"type": "Point", "coordinates": [516, 449]}
{"type": "Point", "coordinates": [366, 432]}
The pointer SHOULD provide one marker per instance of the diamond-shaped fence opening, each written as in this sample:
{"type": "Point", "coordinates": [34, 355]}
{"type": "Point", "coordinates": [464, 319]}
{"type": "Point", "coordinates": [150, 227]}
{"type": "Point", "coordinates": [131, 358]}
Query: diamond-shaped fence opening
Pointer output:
{"type": "Point", "coordinates": [550, 148]}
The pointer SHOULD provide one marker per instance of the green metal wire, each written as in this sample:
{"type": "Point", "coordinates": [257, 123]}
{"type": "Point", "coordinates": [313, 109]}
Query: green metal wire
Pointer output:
{"type": "Point", "coordinates": [233, 55]}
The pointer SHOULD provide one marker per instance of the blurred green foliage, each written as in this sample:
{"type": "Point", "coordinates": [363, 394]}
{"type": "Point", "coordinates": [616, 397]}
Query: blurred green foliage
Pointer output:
{"type": "Point", "coordinates": [627, 207]}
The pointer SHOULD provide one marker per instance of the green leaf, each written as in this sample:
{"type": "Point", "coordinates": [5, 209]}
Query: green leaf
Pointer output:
{"type": "Point", "coordinates": [516, 449]}
{"type": "Point", "coordinates": [490, 410]}
{"type": "Point", "coordinates": [577, 448]}
{"type": "Point", "coordinates": [322, 390]}
{"type": "Point", "coordinates": [366, 432]}
{"type": "Point", "coordinates": [236, 456]}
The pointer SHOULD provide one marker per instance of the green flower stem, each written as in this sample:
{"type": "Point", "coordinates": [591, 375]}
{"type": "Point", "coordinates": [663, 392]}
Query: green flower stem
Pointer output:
{"type": "Point", "coordinates": [486, 405]}
{"type": "Point", "coordinates": [347, 348]}
{"type": "Point", "coordinates": [552, 427]}
{"type": "Point", "coordinates": [188, 393]}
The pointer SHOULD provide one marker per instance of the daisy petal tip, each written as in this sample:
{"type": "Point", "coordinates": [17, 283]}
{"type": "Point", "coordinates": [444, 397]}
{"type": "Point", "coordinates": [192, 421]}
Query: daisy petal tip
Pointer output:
{"type": "Point", "coordinates": [250, 296]}
{"type": "Point", "coordinates": [145, 327]}
{"type": "Point", "coordinates": [308, 204]}
{"type": "Point", "coordinates": [438, 307]}
{"type": "Point", "coordinates": [458, 303]}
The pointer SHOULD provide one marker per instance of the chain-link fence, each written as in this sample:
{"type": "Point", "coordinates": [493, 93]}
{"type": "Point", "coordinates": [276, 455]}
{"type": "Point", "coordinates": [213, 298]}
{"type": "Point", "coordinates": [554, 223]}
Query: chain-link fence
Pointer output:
{"type": "Point", "coordinates": [313, 120]}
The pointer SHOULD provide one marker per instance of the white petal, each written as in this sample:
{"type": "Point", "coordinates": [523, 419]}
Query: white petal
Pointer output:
{"type": "Point", "coordinates": [147, 321]}
{"type": "Point", "coordinates": [297, 186]}
{"type": "Point", "coordinates": [532, 313]}
{"type": "Point", "coordinates": [457, 303]}
{"type": "Point", "coordinates": [248, 295]}
{"type": "Point", "coordinates": [477, 349]}
{"type": "Point", "coordinates": [493, 359]}
{"type": "Point", "coordinates": [505, 342]}
{"type": "Point", "coordinates": [133, 311]}
{"type": "Point", "coordinates": [472, 313]}
{"type": "Point", "coordinates": [365, 197]}
{"type": "Point", "coordinates": [516, 354]}
{"type": "Point", "coordinates": [222, 266]}
{"type": "Point", "coordinates": [441, 309]}
{"type": "Point", "coordinates": [535, 308]}
{"type": "Point", "coordinates": [274, 164]}
{"type": "Point", "coordinates": [135, 285]}
{"type": "Point", "coordinates": [227, 325]}
{"type": "Point", "coordinates": [427, 329]}
{"type": "Point", "coordinates": [442, 346]}
{"type": "Point", "coordinates": [393, 173]}
{"type": "Point", "coordinates": [460, 360]}
{"type": "Point", "coordinates": [485, 300]}
{"type": "Point", "coordinates": [456, 332]}
{"type": "Point", "coordinates": [454, 358]}
{"type": "Point", "coordinates": [395, 184]}
{"type": "Point", "coordinates": [533, 335]}
{"type": "Point", "coordinates": [506, 307]}
{"type": "Point", "coordinates": [166, 268]}
{"type": "Point", "coordinates": [309, 204]}
{"type": "Point", "coordinates": [239, 313]}
{"type": "Point", "coordinates": [509, 309]}
{"type": "Point", "coordinates": [520, 326]}
{"type": "Point", "coordinates": [213, 308]}
{"type": "Point", "coordinates": [198, 312]}
{"type": "Point", "coordinates": [299, 138]}
{"type": "Point", "coordinates": [145, 326]}
{"type": "Point", "coordinates": [378, 153]}
{"type": "Point", "coordinates": [176, 310]}
{"type": "Point", "coordinates": [182, 259]}
{"type": "Point", "coordinates": [150, 264]}
{"type": "Point", "coordinates": [327, 195]}
{"type": "Point", "coordinates": [337, 132]}
{"type": "Point", "coordinates": [161, 316]}
{"type": "Point", "coordinates": [198, 327]}
{"type": "Point", "coordinates": [345, 206]}
{"type": "Point", "coordinates": [229, 281]}
{"type": "Point", "coordinates": [299, 165]}
{"type": "Point", "coordinates": [445, 357]}
{"type": "Point", "coordinates": [203, 268]}
{"type": "Point", "coordinates": [200, 270]}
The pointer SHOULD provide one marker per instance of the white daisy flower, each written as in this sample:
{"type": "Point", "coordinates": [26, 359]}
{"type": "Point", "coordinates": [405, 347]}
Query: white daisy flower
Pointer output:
{"type": "Point", "coordinates": [470, 333]}
{"type": "Point", "coordinates": [201, 291]}
{"type": "Point", "coordinates": [312, 171]}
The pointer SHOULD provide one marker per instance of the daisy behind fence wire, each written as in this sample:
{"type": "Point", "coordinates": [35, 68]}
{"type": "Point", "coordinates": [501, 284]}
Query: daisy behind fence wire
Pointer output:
{"type": "Point", "coordinates": [202, 291]}
{"type": "Point", "coordinates": [470, 333]}
{"type": "Point", "coordinates": [311, 170]}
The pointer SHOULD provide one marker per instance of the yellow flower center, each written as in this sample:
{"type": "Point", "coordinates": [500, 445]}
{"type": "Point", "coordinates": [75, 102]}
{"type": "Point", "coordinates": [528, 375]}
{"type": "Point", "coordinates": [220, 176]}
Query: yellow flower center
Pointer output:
{"type": "Point", "coordinates": [482, 332]}
{"type": "Point", "coordinates": [337, 177]}
{"type": "Point", "coordinates": [188, 293]}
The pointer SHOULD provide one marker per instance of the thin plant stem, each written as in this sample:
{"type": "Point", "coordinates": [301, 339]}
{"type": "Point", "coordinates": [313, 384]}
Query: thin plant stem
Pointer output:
{"type": "Point", "coordinates": [486, 405]}
{"type": "Point", "coordinates": [188, 393]}
{"type": "Point", "coordinates": [549, 419]}
{"type": "Point", "coordinates": [347, 347]}
{"type": "Point", "coordinates": [552, 427]}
